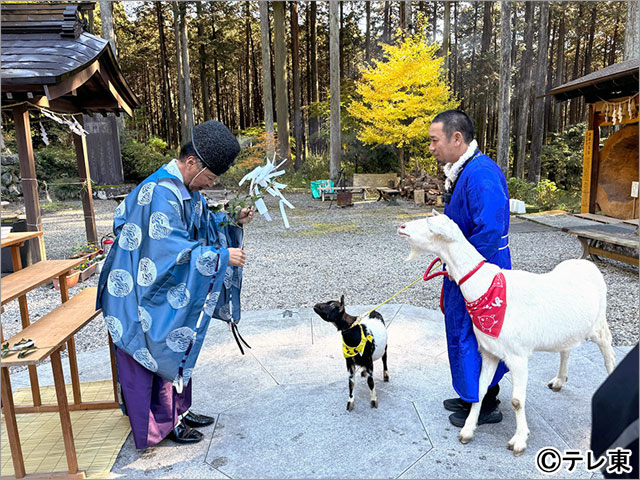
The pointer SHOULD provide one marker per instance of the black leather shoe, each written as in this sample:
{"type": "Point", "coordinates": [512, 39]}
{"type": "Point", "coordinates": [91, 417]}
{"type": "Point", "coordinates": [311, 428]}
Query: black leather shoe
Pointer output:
{"type": "Point", "coordinates": [194, 420]}
{"type": "Point", "coordinates": [182, 433]}
{"type": "Point", "coordinates": [459, 418]}
{"type": "Point", "coordinates": [456, 404]}
{"type": "Point", "coordinates": [489, 403]}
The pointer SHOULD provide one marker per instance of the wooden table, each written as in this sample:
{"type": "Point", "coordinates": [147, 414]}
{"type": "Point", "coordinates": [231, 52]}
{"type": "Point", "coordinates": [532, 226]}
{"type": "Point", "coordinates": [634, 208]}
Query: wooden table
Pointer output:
{"type": "Point", "coordinates": [50, 333]}
{"type": "Point", "coordinates": [607, 234]}
{"type": "Point", "coordinates": [325, 190]}
{"type": "Point", "coordinates": [15, 240]}
{"type": "Point", "coordinates": [389, 194]}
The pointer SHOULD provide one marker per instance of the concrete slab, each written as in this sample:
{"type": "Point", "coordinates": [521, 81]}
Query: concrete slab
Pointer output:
{"type": "Point", "coordinates": [281, 408]}
{"type": "Point", "coordinates": [321, 439]}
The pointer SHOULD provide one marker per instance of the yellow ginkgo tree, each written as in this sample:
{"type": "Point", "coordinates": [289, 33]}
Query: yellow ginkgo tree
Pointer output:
{"type": "Point", "coordinates": [399, 95]}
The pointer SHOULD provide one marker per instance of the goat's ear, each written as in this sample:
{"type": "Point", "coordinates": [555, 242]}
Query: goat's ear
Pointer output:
{"type": "Point", "coordinates": [441, 228]}
{"type": "Point", "coordinates": [434, 212]}
{"type": "Point", "coordinates": [342, 302]}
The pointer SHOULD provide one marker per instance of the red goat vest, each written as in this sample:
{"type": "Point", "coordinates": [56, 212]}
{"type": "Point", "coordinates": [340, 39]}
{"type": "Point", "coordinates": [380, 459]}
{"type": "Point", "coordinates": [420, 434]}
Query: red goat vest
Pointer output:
{"type": "Point", "coordinates": [487, 312]}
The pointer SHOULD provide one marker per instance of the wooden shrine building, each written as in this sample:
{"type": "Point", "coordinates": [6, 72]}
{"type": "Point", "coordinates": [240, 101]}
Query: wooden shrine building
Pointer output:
{"type": "Point", "coordinates": [50, 62]}
{"type": "Point", "coordinates": [610, 173]}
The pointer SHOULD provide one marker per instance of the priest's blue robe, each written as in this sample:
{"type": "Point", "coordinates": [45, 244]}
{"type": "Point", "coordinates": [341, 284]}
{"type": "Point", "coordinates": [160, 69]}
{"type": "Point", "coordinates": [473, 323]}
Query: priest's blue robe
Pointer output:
{"type": "Point", "coordinates": [480, 207]}
{"type": "Point", "coordinates": [165, 277]}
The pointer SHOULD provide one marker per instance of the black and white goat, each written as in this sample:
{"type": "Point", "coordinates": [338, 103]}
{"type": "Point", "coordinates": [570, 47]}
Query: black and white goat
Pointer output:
{"type": "Point", "coordinates": [363, 341]}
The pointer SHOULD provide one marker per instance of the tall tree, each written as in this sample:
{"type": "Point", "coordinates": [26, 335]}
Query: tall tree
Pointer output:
{"type": "Point", "coordinates": [216, 69]}
{"type": "Point", "coordinates": [533, 175]}
{"type": "Point", "coordinates": [446, 36]}
{"type": "Point", "coordinates": [298, 128]}
{"type": "Point", "coordinates": [574, 102]}
{"type": "Point", "coordinates": [247, 54]}
{"type": "Point", "coordinates": [168, 118]}
{"type": "Point", "coordinates": [335, 151]}
{"type": "Point", "coordinates": [434, 22]}
{"type": "Point", "coordinates": [186, 68]}
{"type": "Point", "coordinates": [257, 101]}
{"type": "Point", "coordinates": [482, 114]}
{"type": "Point", "coordinates": [182, 117]}
{"type": "Point", "coordinates": [632, 31]}
{"type": "Point", "coordinates": [266, 76]}
{"type": "Point", "coordinates": [525, 91]}
{"type": "Point", "coordinates": [560, 71]}
{"type": "Point", "coordinates": [313, 60]}
{"type": "Point", "coordinates": [204, 82]}
{"type": "Point", "coordinates": [106, 19]}
{"type": "Point", "coordinates": [504, 109]}
{"type": "Point", "coordinates": [386, 35]}
{"type": "Point", "coordinates": [280, 70]}
{"type": "Point", "coordinates": [367, 36]}
{"type": "Point", "coordinates": [592, 32]}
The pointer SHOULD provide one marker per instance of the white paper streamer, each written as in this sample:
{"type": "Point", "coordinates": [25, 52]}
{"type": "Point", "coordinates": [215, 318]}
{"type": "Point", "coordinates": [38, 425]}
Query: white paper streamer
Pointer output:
{"type": "Point", "coordinates": [284, 215]}
{"type": "Point", "coordinates": [43, 134]}
{"type": "Point", "coordinates": [263, 176]}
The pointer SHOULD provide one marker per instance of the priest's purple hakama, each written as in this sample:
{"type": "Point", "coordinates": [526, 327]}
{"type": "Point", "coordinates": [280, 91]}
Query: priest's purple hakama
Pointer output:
{"type": "Point", "coordinates": [164, 279]}
{"type": "Point", "coordinates": [152, 404]}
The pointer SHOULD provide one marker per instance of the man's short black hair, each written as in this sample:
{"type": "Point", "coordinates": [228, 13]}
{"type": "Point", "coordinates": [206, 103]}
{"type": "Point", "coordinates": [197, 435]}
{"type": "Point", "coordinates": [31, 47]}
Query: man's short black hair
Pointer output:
{"type": "Point", "coordinates": [186, 151]}
{"type": "Point", "coordinates": [455, 121]}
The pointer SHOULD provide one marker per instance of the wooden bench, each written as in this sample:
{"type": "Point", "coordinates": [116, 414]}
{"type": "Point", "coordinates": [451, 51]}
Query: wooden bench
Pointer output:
{"type": "Point", "coordinates": [589, 236]}
{"type": "Point", "coordinates": [50, 335]}
{"type": "Point", "coordinates": [388, 194]}
{"type": "Point", "coordinates": [326, 190]}
{"type": "Point", "coordinates": [375, 180]}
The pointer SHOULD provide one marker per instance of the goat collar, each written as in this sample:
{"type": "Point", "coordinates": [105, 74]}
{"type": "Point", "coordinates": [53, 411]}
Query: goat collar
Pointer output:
{"type": "Point", "coordinates": [429, 276]}
{"type": "Point", "coordinates": [452, 170]}
{"type": "Point", "coordinates": [356, 322]}
{"type": "Point", "coordinates": [349, 351]}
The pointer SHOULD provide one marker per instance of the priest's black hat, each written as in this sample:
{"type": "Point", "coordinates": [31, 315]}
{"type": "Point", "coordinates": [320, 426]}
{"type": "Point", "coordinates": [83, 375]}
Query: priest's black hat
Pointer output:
{"type": "Point", "coordinates": [216, 146]}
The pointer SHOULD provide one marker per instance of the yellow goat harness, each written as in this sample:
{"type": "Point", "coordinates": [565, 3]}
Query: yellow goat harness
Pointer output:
{"type": "Point", "coordinates": [358, 350]}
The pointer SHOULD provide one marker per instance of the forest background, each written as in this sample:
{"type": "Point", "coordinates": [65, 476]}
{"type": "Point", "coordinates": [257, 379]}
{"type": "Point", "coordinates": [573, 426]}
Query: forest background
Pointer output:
{"type": "Point", "coordinates": [262, 67]}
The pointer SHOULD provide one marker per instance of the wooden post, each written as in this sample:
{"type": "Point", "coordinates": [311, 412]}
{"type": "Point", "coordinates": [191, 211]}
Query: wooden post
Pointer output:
{"type": "Point", "coordinates": [595, 162]}
{"type": "Point", "coordinates": [80, 143]}
{"type": "Point", "coordinates": [65, 419]}
{"type": "Point", "coordinates": [590, 162]}
{"type": "Point", "coordinates": [586, 171]}
{"type": "Point", "coordinates": [24, 316]}
{"type": "Point", "coordinates": [28, 174]}
{"type": "Point", "coordinates": [114, 372]}
{"type": "Point", "coordinates": [8, 409]}
{"type": "Point", "coordinates": [71, 344]}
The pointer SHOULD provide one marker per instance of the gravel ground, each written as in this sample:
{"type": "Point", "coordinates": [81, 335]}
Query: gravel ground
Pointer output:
{"type": "Point", "coordinates": [329, 251]}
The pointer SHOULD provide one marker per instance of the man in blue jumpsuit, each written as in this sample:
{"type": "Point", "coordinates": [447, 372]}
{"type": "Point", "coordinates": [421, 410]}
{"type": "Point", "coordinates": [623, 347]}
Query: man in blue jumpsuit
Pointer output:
{"type": "Point", "coordinates": [477, 199]}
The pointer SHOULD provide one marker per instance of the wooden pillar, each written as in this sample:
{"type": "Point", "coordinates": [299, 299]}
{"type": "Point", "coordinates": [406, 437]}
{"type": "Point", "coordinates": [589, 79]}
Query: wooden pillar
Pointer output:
{"type": "Point", "coordinates": [591, 162]}
{"type": "Point", "coordinates": [29, 182]}
{"type": "Point", "coordinates": [80, 143]}
{"type": "Point", "coordinates": [595, 161]}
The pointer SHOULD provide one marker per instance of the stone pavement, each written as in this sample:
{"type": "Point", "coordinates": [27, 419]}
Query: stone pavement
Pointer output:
{"type": "Point", "coordinates": [281, 409]}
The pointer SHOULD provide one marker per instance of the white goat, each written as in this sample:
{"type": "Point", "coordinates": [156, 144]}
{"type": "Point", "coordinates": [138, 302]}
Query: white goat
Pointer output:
{"type": "Point", "coordinates": [550, 312]}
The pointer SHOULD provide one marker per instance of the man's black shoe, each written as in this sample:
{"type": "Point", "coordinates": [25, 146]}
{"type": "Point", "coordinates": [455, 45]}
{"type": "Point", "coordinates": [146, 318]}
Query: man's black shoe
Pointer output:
{"type": "Point", "coordinates": [456, 404]}
{"type": "Point", "coordinates": [486, 416]}
{"type": "Point", "coordinates": [182, 433]}
{"type": "Point", "coordinates": [195, 420]}
{"type": "Point", "coordinates": [490, 401]}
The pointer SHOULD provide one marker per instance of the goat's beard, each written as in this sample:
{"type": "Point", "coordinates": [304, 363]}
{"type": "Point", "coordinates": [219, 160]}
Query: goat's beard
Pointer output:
{"type": "Point", "coordinates": [414, 253]}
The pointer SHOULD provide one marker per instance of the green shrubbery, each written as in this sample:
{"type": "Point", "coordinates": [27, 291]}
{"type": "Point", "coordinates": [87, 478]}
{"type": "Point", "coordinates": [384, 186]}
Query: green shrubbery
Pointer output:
{"type": "Point", "coordinates": [562, 157]}
{"type": "Point", "coordinates": [139, 160]}
{"type": "Point", "coordinates": [55, 162]}
{"type": "Point", "coordinates": [545, 195]}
